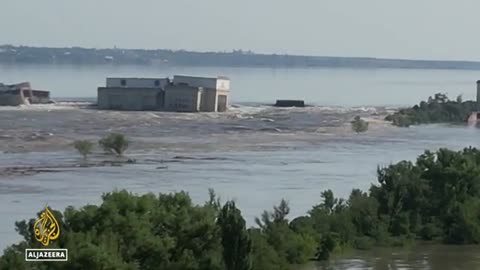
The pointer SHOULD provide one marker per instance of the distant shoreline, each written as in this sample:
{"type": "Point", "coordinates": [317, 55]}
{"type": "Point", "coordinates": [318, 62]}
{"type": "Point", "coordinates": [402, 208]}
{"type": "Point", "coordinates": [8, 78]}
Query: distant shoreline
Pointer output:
{"type": "Point", "coordinates": [19, 55]}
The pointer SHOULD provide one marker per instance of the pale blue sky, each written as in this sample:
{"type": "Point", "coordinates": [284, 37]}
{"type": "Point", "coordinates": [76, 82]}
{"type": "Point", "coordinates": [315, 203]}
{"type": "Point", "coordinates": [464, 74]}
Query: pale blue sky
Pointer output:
{"type": "Point", "coordinates": [427, 29]}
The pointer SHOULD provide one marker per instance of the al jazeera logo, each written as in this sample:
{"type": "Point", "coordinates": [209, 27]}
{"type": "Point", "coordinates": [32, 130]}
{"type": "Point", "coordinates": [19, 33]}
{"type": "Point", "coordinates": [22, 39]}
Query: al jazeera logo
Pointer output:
{"type": "Point", "coordinates": [46, 229]}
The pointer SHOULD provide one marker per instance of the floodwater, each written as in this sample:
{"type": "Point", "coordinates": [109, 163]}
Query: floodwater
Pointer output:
{"type": "Point", "coordinates": [423, 256]}
{"type": "Point", "coordinates": [254, 154]}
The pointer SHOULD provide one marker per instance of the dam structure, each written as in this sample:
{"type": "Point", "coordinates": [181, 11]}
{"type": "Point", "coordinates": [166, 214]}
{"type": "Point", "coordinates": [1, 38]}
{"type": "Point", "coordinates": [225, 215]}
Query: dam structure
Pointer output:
{"type": "Point", "coordinates": [180, 94]}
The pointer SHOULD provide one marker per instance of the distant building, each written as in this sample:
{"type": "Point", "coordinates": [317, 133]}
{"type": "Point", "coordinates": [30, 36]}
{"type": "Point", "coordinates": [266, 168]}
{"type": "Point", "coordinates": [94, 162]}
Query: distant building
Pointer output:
{"type": "Point", "coordinates": [22, 94]}
{"type": "Point", "coordinates": [183, 94]}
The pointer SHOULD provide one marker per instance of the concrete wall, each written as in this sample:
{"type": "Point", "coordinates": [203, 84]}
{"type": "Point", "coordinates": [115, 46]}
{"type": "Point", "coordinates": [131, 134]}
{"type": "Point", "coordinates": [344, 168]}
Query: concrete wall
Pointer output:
{"type": "Point", "coordinates": [138, 82]}
{"type": "Point", "coordinates": [23, 96]}
{"type": "Point", "coordinates": [36, 96]}
{"type": "Point", "coordinates": [134, 99]}
{"type": "Point", "coordinates": [213, 88]}
{"type": "Point", "coordinates": [183, 98]}
{"type": "Point", "coordinates": [196, 81]}
{"type": "Point", "coordinates": [23, 85]}
{"type": "Point", "coordinates": [186, 94]}
{"type": "Point", "coordinates": [223, 84]}
{"type": "Point", "coordinates": [209, 100]}
{"type": "Point", "coordinates": [11, 98]}
{"type": "Point", "coordinates": [222, 100]}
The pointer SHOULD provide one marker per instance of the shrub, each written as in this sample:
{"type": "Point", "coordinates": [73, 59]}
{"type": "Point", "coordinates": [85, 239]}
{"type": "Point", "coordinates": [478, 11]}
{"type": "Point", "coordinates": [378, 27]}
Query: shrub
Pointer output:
{"type": "Point", "coordinates": [115, 143]}
{"type": "Point", "coordinates": [363, 242]}
{"type": "Point", "coordinates": [327, 245]}
{"type": "Point", "coordinates": [83, 147]}
{"type": "Point", "coordinates": [359, 125]}
{"type": "Point", "coordinates": [437, 109]}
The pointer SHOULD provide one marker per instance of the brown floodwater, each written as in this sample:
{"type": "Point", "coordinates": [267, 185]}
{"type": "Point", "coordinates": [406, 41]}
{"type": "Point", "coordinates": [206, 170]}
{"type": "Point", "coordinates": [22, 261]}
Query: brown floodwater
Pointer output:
{"type": "Point", "coordinates": [420, 257]}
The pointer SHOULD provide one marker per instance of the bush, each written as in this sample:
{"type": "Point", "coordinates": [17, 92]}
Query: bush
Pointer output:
{"type": "Point", "coordinates": [83, 147]}
{"type": "Point", "coordinates": [115, 143]}
{"type": "Point", "coordinates": [327, 245]}
{"type": "Point", "coordinates": [363, 242]}
{"type": "Point", "coordinates": [359, 125]}
{"type": "Point", "coordinates": [437, 109]}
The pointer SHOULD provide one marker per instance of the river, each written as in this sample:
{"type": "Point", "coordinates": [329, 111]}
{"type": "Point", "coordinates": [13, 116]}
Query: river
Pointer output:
{"type": "Point", "coordinates": [423, 256]}
{"type": "Point", "coordinates": [254, 153]}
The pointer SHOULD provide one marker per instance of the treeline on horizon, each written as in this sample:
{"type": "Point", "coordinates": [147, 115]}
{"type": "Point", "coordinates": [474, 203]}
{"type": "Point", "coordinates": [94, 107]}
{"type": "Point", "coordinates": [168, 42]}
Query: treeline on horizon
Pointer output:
{"type": "Point", "coordinates": [436, 198]}
{"type": "Point", "coordinates": [237, 58]}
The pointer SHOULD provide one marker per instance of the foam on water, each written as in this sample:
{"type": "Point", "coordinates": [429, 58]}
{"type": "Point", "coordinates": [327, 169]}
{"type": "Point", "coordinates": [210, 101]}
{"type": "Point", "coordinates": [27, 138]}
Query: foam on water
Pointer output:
{"type": "Point", "coordinates": [47, 107]}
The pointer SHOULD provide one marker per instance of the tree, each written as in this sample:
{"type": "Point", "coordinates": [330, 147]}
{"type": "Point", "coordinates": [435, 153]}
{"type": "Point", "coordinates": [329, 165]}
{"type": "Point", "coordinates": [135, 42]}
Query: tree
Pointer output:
{"type": "Point", "coordinates": [114, 143]}
{"type": "Point", "coordinates": [327, 245]}
{"type": "Point", "coordinates": [441, 97]}
{"type": "Point", "coordinates": [265, 256]}
{"type": "Point", "coordinates": [237, 246]}
{"type": "Point", "coordinates": [359, 125]}
{"type": "Point", "coordinates": [439, 109]}
{"type": "Point", "coordinates": [83, 147]}
{"type": "Point", "coordinates": [437, 197]}
{"type": "Point", "coordinates": [460, 98]}
{"type": "Point", "coordinates": [128, 231]}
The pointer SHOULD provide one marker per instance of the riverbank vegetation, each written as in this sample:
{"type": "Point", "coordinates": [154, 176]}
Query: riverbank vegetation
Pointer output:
{"type": "Point", "coordinates": [437, 109]}
{"type": "Point", "coordinates": [435, 198]}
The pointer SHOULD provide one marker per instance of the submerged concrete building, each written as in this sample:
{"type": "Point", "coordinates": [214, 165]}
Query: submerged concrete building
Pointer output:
{"type": "Point", "coordinates": [132, 94]}
{"type": "Point", "coordinates": [22, 94]}
{"type": "Point", "coordinates": [475, 116]}
{"type": "Point", "coordinates": [182, 94]}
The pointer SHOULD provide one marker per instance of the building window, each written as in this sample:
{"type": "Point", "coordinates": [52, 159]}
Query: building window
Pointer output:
{"type": "Point", "coordinates": [123, 82]}
{"type": "Point", "coordinates": [157, 83]}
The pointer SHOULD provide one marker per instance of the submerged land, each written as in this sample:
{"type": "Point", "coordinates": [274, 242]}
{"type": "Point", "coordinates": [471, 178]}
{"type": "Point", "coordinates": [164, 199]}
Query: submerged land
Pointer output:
{"type": "Point", "coordinates": [10, 54]}
{"type": "Point", "coordinates": [55, 127]}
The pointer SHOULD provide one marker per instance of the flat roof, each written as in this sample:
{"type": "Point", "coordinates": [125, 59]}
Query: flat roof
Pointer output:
{"type": "Point", "coordinates": [200, 77]}
{"type": "Point", "coordinates": [137, 78]}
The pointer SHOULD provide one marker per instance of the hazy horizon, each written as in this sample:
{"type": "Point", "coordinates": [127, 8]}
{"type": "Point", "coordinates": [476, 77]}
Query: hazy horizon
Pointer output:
{"type": "Point", "coordinates": [230, 51]}
{"type": "Point", "coordinates": [429, 30]}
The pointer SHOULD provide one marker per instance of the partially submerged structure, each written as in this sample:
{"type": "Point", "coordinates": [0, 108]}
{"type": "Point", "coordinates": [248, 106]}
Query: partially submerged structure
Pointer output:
{"type": "Point", "coordinates": [289, 103]}
{"type": "Point", "coordinates": [22, 94]}
{"type": "Point", "coordinates": [475, 116]}
{"type": "Point", "coordinates": [182, 94]}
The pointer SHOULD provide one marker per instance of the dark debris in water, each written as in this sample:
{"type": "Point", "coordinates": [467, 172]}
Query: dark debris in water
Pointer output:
{"type": "Point", "coordinates": [33, 170]}
{"type": "Point", "coordinates": [26, 171]}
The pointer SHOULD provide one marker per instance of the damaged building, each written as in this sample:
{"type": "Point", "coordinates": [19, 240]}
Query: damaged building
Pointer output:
{"type": "Point", "coordinates": [22, 94]}
{"type": "Point", "coordinates": [182, 94]}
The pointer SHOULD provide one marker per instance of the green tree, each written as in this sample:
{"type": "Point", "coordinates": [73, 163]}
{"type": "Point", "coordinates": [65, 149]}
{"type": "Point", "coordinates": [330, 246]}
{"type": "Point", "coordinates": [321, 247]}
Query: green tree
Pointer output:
{"type": "Point", "coordinates": [131, 232]}
{"type": "Point", "coordinates": [439, 109]}
{"type": "Point", "coordinates": [359, 125]}
{"type": "Point", "coordinates": [236, 243]}
{"type": "Point", "coordinates": [83, 147]}
{"type": "Point", "coordinates": [265, 256]}
{"type": "Point", "coordinates": [115, 143]}
{"type": "Point", "coordinates": [294, 247]}
{"type": "Point", "coordinates": [437, 197]}
{"type": "Point", "coordinates": [327, 245]}
{"type": "Point", "coordinates": [460, 98]}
